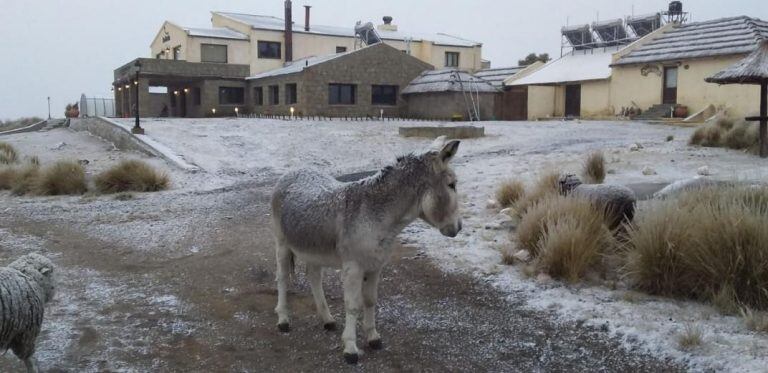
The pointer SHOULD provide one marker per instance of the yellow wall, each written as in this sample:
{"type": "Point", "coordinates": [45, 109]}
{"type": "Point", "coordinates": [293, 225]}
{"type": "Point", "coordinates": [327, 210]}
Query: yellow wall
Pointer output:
{"type": "Point", "coordinates": [178, 38]}
{"type": "Point", "coordinates": [596, 99]}
{"type": "Point", "coordinates": [541, 102]}
{"type": "Point", "coordinates": [237, 50]}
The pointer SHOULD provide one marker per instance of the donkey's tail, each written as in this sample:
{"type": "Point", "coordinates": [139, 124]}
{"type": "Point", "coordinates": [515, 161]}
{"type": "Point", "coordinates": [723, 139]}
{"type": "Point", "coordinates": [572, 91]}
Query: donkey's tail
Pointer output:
{"type": "Point", "coordinates": [292, 266]}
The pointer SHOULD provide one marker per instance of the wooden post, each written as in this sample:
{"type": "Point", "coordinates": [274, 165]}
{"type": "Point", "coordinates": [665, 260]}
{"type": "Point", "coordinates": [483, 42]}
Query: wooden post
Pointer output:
{"type": "Point", "coordinates": [764, 119]}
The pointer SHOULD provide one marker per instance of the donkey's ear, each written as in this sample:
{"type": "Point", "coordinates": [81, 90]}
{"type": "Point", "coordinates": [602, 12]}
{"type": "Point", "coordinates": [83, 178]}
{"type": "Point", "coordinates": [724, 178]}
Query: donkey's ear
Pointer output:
{"type": "Point", "coordinates": [437, 144]}
{"type": "Point", "coordinates": [449, 150]}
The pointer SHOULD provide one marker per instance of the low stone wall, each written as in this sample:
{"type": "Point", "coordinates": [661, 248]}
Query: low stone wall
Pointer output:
{"type": "Point", "coordinates": [452, 132]}
{"type": "Point", "coordinates": [120, 137]}
{"type": "Point", "coordinates": [31, 128]}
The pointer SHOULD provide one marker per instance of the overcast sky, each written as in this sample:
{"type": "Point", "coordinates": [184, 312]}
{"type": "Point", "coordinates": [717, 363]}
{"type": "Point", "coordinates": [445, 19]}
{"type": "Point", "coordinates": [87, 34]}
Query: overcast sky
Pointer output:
{"type": "Point", "coordinates": [62, 49]}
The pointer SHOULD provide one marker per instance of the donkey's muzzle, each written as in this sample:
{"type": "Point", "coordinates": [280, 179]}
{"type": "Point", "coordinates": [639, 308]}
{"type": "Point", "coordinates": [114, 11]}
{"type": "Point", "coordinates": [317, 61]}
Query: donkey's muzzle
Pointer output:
{"type": "Point", "coordinates": [451, 231]}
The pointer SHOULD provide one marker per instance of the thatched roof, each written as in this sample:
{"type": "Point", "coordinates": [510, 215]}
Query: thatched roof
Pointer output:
{"type": "Point", "coordinates": [719, 37]}
{"type": "Point", "coordinates": [753, 69]}
{"type": "Point", "coordinates": [497, 76]}
{"type": "Point", "coordinates": [448, 80]}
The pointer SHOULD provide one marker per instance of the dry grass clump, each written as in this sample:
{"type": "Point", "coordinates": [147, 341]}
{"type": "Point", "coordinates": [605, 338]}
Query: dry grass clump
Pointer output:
{"type": "Point", "coordinates": [509, 192]}
{"type": "Point", "coordinates": [594, 168]}
{"type": "Point", "coordinates": [23, 179]}
{"type": "Point", "coordinates": [7, 177]}
{"type": "Point", "coordinates": [742, 136]}
{"type": "Point", "coordinates": [703, 245]}
{"type": "Point", "coordinates": [724, 133]}
{"type": "Point", "coordinates": [62, 178]}
{"type": "Point", "coordinates": [8, 154]}
{"type": "Point", "coordinates": [131, 176]}
{"type": "Point", "coordinates": [691, 337]}
{"type": "Point", "coordinates": [755, 320]}
{"type": "Point", "coordinates": [547, 185]}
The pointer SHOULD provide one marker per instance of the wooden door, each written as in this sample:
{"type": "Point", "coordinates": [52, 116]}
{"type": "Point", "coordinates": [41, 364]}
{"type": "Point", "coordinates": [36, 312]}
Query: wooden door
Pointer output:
{"type": "Point", "coordinates": [515, 103]}
{"type": "Point", "coordinates": [182, 104]}
{"type": "Point", "coordinates": [670, 86]}
{"type": "Point", "coordinates": [573, 100]}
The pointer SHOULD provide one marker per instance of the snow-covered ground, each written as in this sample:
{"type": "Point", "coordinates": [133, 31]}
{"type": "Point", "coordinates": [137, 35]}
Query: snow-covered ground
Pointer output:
{"type": "Point", "coordinates": [231, 151]}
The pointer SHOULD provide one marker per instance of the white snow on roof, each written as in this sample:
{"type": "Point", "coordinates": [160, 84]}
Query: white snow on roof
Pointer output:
{"type": "Point", "coordinates": [299, 65]}
{"type": "Point", "coordinates": [577, 66]}
{"type": "Point", "coordinates": [277, 24]}
{"type": "Point", "coordinates": [448, 80]}
{"type": "Point", "coordinates": [215, 32]}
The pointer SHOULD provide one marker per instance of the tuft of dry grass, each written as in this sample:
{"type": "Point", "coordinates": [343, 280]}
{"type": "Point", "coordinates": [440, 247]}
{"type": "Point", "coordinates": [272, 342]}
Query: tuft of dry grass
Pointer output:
{"type": "Point", "coordinates": [594, 168]}
{"type": "Point", "coordinates": [755, 320]}
{"type": "Point", "coordinates": [726, 301]}
{"type": "Point", "coordinates": [690, 338]}
{"type": "Point", "coordinates": [131, 176]}
{"type": "Point", "coordinates": [34, 160]}
{"type": "Point", "coordinates": [742, 136]}
{"type": "Point", "coordinates": [7, 177]}
{"type": "Point", "coordinates": [62, 178]}
{"type": "Point", "coordinates": [725, 247]}
{"type": "Point", "coordinates": [509, 192]}
{"type": "Point", "coordinates": [24, 179]}
{"type": "Point", "coordinates": [547, 185]}
{"type": "Point", "coordinates": [8, 154]}
{"type": "Point", "coordinates": [698, 135]}
{"type": "Point", "coordinates": [724, 123]}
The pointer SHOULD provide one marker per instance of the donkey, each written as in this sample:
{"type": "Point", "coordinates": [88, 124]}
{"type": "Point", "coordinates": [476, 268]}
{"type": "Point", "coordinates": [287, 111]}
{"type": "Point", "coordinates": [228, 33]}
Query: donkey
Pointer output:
{"type": "Point", "coordinates": [328, 223]}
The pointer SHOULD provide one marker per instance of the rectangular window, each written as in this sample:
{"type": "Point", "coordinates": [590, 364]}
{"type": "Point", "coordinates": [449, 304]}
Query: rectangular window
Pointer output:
{"type": "Point", "coordinates": [231, 96]}
{"type": "Point", "coordinates": [341, 49]}
{"type": "Point", "coordinates": [258, 96]}
{"type": "Point", "coordinates": [451, 59]}
{"type": "Point", "coordinates": [159, 55]}
{"type": "Point", "coordinates": [176, 52]}
{"type": "Point", "coordinates": [274, 95]}
{"type": "Point", "coordinates": [342, 94]}
{"type": "Point", "coordinates": [384, 95]}
{"type": "Point", "coordinates": [213, 53]}
{"type": "Point", "coordinates": [196, 96]}
{"type": "Point", "coordinates": [291, 94]}
{"type": "Point", "coordinates": [269, 49]}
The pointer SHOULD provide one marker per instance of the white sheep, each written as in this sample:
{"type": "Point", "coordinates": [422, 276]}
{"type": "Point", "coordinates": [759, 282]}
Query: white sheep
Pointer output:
{"type": "Point", "coordinates": [25, 287]}
{"type": "Point", "coordinates": [617, 200]}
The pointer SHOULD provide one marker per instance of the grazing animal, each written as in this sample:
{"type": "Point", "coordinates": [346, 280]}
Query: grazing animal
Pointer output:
{"type": "Point", "coordinates": [25, 287]}
{"type": "Point", "coordinates": [617, 200]}
{"type": "Point", "coordinates": [328, 223]}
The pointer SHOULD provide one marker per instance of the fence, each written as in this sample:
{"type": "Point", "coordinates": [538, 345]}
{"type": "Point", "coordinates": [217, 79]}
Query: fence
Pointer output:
{"type": "Point", "coordinates": [97, 107]}
{"type": "Point", "coordinates": [341, 118]}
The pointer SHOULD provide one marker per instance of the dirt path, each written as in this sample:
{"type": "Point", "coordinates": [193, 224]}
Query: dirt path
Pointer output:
{"type": "Point", "coordinates": [211, 309]}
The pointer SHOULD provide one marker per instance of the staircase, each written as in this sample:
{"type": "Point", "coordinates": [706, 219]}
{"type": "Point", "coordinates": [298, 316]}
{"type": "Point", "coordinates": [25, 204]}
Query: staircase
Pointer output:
{"type": "Point", "coordinates": [660, 111]}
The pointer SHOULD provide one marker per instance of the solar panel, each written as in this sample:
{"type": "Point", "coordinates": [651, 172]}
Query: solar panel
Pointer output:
{"type": "Point", "coordinates": [611, 32]}
{"type": "Point", "coordinates": [580, 36]}
{"type": "Point", "coordinates": [645, 24]}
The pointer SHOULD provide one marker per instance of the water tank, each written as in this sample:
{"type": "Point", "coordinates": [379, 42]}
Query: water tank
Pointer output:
{"type": "Point", "coordinates": [676, 7]}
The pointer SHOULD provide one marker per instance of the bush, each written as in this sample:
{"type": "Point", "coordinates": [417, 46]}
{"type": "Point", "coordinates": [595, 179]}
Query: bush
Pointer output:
{"type": "Point", "coordinates": [7, 177]}
{"type": "Point", "coordinates": [742, 136]}
{"type": "Point", "coordinates": [725, 247]}
{"type": "Point", "coordinates": [64, 177]}
{"type": "Point", "coordinates": [691, 337]}
{"type": "Point", "coordinates": [24, 179]}
{"type": "Point", "coordinates": [131, 176]}
{"type": "Point", "coordinates": [713, 136]}
{"type": "Point", "coordinates": [594, 168]}
{"type": "Point", "coordinates": [724, 123]}
{"type": "Point", "coordinates": [7, 154]}
{"type": "Point", "coordinates": [698, 135]}
{"type": "Point", "coordinates": [547, 185]}
{"type": "Point", "coordinates": [510, 192]}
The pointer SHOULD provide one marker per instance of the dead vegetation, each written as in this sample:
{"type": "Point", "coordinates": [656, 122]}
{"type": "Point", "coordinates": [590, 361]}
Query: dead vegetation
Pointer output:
{"type": "Point", "coordinates": [690, 338]}
{"type": "Point", "coordinates": [547, 185]}
{"type": "Point", "coordinates": [509, 192]}
{"type": "Point", "coordinates": [62, 178]}
{"type": "Point", "coordinates": [131, 176]}
{"type": "Point", "coordinates": [756, 321]}
{"type": "Point", "coordinates": [594, 168]}
{"type": "Point", "coordinates": [8, 154]}
{"type": "Point", "coordinates": [727, 134]}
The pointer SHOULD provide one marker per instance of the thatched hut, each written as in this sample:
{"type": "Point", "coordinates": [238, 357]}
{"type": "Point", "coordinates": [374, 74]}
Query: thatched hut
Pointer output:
{"type": "Point", "coordinates": [450, 94]}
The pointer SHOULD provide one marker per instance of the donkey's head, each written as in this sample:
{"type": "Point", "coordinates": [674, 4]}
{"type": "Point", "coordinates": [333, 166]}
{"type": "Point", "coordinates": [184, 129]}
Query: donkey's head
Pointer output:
{"type": "Point", "coordinates": [439, 204]}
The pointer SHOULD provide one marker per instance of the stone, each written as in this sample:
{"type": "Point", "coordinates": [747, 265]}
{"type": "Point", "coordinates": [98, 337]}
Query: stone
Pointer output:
{"type": "Point", "coordinates": [522, 255]}
{"type": "Point", "coordinates": [492, 204]}
{"type": "Point", "coordinates": [704, 171]}
{"type": "Point", "coordinates": [648, 171]}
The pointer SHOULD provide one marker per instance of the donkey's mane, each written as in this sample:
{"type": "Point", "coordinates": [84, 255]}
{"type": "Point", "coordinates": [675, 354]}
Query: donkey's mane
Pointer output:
{"type": "Point", "coordinates": [403, 162]}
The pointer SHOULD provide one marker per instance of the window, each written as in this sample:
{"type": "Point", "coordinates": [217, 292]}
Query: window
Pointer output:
{"type": "Point", "coordinates": [291, 94]}
{"type": "Point", "coordinates": [274, 95]}
{"type": "Point", "coordinates": [177, 52]}
{"type": "Point", "coordinates": [451, 59]}
{"type": "Point", "coordinates": [159, 55]}
{"type": "Point", "coordinates": [196, 97]}
{"type": "Point", "coordinates": [231, 96]}
{"type": "Point", "coordinates": [342, 94]}
{"type": "Point", "coordinates": [269, 49]}
{"type": "Point", "coordinates": [384, 95]}
{"type": "Point", "coordinates": [214, 53]}
{"type": "Point", "coordinates": [341, 49]}
{"type": "Point", "coordinates": [258, 96]}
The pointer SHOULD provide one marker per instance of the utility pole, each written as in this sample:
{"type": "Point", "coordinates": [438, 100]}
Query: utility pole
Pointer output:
{"type": "Point", "coordinates": [49, 107]}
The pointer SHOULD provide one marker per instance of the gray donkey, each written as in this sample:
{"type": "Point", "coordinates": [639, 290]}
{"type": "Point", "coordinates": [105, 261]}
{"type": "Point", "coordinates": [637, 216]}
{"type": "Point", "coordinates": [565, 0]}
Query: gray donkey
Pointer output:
{"type": "Point", "coordinates": [327, 223]}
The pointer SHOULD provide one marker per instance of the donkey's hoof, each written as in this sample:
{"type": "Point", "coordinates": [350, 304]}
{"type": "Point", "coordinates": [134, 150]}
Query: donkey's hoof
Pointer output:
{"type": "Point", "coordinates": [351, 358]}
{"type": "Point", "coordinates": [375, 344]}
{"type": "Point", "coordinates": [330, 326]}
{"type": "Point", "coordinates": [284, 327]}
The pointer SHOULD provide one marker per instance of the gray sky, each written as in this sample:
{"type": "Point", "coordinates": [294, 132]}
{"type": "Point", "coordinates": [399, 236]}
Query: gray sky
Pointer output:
{"type": "Point", "coordinates": [62, 49]}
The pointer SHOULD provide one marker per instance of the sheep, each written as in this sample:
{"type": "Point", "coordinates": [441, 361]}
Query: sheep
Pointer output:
{"type": "Point", "coordinates": [26, 285]}
{"type": "Point", "coordinates": [617, 200]}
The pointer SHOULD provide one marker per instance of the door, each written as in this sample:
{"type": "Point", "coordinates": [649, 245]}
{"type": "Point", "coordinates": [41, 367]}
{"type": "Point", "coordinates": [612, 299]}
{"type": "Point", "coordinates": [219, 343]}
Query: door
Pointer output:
{"type": "Point", "coordinates": [515, 103]}
{"type": "Point", "coordinates": [573, 100]}
{"type": "Point", "coordinates": [670, 86]}
{"type": "Point", "coordinates": [182, 104]}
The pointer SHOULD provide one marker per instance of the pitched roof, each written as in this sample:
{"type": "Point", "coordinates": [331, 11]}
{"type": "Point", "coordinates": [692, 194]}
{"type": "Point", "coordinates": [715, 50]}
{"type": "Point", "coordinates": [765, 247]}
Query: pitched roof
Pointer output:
{"type": "Point", "coordinates": [724, 36]}
{"type": "Point", "coordinates": [299, 65]}
{"type": "Point", "coordinates": [260, 22]}
{"type": "Point", "coordinates": [577, 66]}
{"type": "Point", "coordinates": [448, 80]}
{"type": "Point", "coordinates": [215, 32]}
{"type": "Point", "coordinates": [497, 76]}
{"type": "Point", "coordinates": [753, 69]}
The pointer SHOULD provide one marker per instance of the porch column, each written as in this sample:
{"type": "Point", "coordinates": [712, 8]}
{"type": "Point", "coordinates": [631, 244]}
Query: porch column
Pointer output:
{"type": "Point", "coordinates": [764, 119]}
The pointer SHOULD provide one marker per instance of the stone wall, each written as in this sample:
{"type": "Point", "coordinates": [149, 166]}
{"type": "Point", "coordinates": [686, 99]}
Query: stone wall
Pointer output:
{"type": "Point", "coordinates": [444, 105]}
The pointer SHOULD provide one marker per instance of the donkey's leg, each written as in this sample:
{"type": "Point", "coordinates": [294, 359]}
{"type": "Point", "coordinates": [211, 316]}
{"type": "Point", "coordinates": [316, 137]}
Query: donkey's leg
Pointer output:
{"type": "Point", "coordinates": [315, 277]}
{"type": "Point", "coordinates": [352, 275]}
{"type": "Point", "coordinates": [284, 256]}
{"type": "Point", "coordinates": [370, 296]}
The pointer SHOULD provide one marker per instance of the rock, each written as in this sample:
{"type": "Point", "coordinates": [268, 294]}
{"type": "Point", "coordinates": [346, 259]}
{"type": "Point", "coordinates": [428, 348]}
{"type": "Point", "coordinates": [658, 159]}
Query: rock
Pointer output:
{"type": "Point", "coordinates": [492, 204]}
{"type": "Point", "coordinates": [704, 171]}
{"type": "Point", "coordinates": [508, 211]}
{"type": "Point", "coordinates": [59, 146]}
{"type": "Point", "coordinates": [544, 278]}
{"type": "Point", "coordinates": [635, 147]}
{"type": "Point", "coordinates": [522, 255]}
{"type": "Point", "coordinates": [647, 171]}
{"type": "Point", "coordinates": [83, 162]}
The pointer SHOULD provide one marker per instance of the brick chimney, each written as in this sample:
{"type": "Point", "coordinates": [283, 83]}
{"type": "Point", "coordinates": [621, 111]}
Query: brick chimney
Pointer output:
{"type": "Point", "coordinates": [306, 17]}
{"type": "Point", "coordinates": [288, 31]}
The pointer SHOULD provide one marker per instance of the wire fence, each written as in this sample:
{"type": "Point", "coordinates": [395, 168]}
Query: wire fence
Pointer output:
{"type": "Point", "coordinates": [341, 118]}
{"type": "Point", "coordinates": [97, 107]}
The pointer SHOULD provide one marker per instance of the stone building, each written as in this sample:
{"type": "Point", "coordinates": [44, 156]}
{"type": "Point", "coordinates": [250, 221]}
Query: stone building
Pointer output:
{"type": "Point", "coordinates": [451, 94]}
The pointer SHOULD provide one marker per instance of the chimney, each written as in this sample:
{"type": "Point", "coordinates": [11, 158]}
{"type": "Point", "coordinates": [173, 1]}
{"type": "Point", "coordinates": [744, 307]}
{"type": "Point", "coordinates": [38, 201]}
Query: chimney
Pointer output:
{"type": "Point", "coordinates": [306, 17]}
{"type": "Point", "coordinates": [387, 26]}
{"type": "Point", "coordinates": [288, 31]}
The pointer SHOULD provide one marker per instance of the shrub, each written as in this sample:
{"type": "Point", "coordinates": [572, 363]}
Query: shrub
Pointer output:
{"type": "Point", "coordinates": [63, 177]}
{"type": "Point", "coordinates": [741, 136]}
{"type": "Point", "coordinates": [725, 247]}
{"type": "Point", "coordinates": [7, 153]}
{"type": "Point", "coordinates": [698, 135]}
{"type": "Point", "coordinates": [691, 337]}
{"type": "Point", "coordinates": [510, 192]}
{"type": "Point", "coordinates": [24, 179]}
{"type": "Point", "coordinates": [547, 185]}
{"type": "Point", "coordinates": [724, 123]}
{"type": "Point", "coordinates": [594, 168]}
{"type": "Point", "coordinates": [755, 320]}
{"type": "Point", "coordinates": [7, 177]}
{"type": "Point", "coordinates": [131, 176]}
{"type": "Point", "coordinates": [713, 136]}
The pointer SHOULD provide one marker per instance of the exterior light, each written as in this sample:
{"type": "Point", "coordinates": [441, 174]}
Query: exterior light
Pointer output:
{"type": "Point", "coordinates": [127, 86]}
{"type": "Point", "coordinates": [176, 93]}
{"type": "Point", "coordinates": [213, 110]}
{"type": "Point", "coordinates": [135, 82]}
{"type": "Point", "coordinates": [186, 90]}
{"type": "Point", "coordinates": [119, 88]}
{"type": "Point", "coordinates": [237, 110]}
{"type": "Point", "coordinates": [292, 110]}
